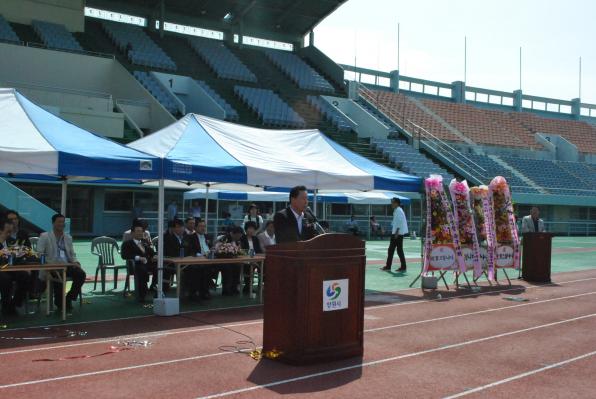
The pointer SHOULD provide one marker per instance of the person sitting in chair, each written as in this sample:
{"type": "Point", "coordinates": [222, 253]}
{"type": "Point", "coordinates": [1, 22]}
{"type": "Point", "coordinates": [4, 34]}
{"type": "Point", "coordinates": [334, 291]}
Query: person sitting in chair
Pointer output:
{"type": "Point", "coordinates": [352, 226]}
{"type": "Point", "coordinates": [10, 303]}
{"type": "Point", "coordinates": [140, 254]}
{"type": "Point", "coordinates": [267, 237]}
{"type": "Point", "coordinates": [376, 230]}
{"type": "Point", "coordinates": [57, 247]}
{"type": "Point", "coordinates": [250, 243]}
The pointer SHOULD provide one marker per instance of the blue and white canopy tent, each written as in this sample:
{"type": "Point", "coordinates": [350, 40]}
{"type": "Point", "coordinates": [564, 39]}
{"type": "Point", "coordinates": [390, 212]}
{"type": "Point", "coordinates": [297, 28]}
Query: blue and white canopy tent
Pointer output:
{"type": "Point", "coordinates": [36, 144]}
{"type": "Point", "coordinates": [201, 149]}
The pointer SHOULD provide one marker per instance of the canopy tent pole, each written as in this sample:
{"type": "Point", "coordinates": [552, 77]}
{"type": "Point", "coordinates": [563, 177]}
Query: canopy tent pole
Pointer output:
{"type": "Point", "coordinates": [160, 234]}
{"type": "Point", "coordinates": [183, 203]}
{"type": "Point", "coordinates": [315, 201]}
{"type": "Point", "coordinates": [207, 206]}
{"type": "Point", "coordinates": [63, 199]}
{"type": "Point", "coordinates": [216, 217]}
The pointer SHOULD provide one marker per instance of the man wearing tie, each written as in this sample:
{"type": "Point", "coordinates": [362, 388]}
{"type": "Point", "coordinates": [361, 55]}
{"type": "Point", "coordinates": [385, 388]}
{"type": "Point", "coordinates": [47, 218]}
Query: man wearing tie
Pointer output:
{"type": "Point", "coordinates": [138, 250]}
{"type": "Point", "coordinates": [290, 223]}
{"type": "Point", "coordinates": [532, 223]}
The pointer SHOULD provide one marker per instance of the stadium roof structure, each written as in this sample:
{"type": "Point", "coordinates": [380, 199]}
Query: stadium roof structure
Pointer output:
{"type": "Point", "coordinates": [293, 17]}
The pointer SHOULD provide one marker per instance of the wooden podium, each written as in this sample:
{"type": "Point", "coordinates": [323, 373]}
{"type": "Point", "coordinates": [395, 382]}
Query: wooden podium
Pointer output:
{"type": "Point", "coordinates": [314, 299]}
{"type": "Point", "coordinates": [537, 248]}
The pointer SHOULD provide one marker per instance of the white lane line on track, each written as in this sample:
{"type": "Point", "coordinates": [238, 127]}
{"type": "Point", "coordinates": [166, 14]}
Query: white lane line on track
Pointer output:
{"type": "Point", "coordinates": [393, 358]}
{"type": "Point", "coordinates": [520, 376]}
{"type": "Point", "coordinates": [192, 330]}
{"type": "Point", "coordinates": [294, 379]}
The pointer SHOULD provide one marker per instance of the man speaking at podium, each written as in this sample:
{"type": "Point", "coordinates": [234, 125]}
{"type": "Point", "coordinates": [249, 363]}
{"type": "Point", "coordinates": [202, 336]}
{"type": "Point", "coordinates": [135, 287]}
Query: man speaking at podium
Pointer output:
{"type": "Point", "coordinates": [296, 222]}
{"type": "Point", "coordinates": [532, 223]}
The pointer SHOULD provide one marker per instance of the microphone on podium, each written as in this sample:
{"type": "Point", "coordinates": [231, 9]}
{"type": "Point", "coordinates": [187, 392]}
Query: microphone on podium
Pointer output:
{"type": "Point", "coordinates": [311, 217]}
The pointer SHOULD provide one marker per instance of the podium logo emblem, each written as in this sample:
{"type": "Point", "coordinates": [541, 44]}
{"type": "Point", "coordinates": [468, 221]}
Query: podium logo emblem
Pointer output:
{"type": "Point", "coordinates": [335, 294]}
{"type": "Point", "coordinates": [333, 291]}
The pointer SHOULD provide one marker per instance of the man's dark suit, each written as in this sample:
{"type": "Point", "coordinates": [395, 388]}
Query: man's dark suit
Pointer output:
{"type": "Point", "coordinates": [286, 227]}
{"type": "Point", "coordinates": [130, 250]}
{"type": "Point", "coordinates": [6, 279]}
{"type": "Point", "coordinates": [196, 279]}
{"type": "Point", "coordinates": [255, 244]}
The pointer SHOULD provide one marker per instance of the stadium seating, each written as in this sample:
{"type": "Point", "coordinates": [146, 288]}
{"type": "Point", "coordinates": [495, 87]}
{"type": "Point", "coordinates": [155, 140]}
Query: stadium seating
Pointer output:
{"type": "Point", "coordinates": [339, 120]}
{"type": "Point", "coordinates": [475, 123]}
{"type": "Point", "coordinates": [153, 86]}
{"type": "Point", "coordinates": [302, 74]}
{"type": "Point", "coordinates": [579, 133]}
{"type": "Point", "coordinates": [583, 171]}
{"type": "Point", "coordinates": [56, 36]}
{"type": "Point", "coordinates": [231, 113]}
{"type": "Point", "coordinates": [397, 106]}
{"type": "Point", "coordinates": [271, 110]}
{"type": "Point", "coordinates": [6, 32]}
{"type": "Point", "coordinates": [494, 168]}
{"type": "Point", "coordinates": [221, 60]}
{"type": "Point", "coordinates": [144, 50]}
{"type": "Point", "coordinates": [409, 159]}
{"type": "Point", "coordinates": [549, 175]}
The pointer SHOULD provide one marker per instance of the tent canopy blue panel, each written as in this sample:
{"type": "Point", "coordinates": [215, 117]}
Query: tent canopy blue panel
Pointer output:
{"type": "Point", "coordinates": [198, 148]}
{"type": "Point", "coordinates": [33, 142]}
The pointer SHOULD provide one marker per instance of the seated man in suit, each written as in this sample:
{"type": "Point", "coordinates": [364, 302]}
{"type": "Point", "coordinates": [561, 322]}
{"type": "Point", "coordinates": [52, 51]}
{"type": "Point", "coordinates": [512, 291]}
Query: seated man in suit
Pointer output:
{"type": "Point", "coordinates": [10, 303]}
{"type": "Point", "coordinates": [532, 223]}
{"type": "Point", "coordinates": [175, 245]}
{"type": "Point", "coordinates": [249, 242]}
{"type": "Point", "coordinates": [198, 277]}
{"type": "Point", "coordinates": [230, 274]}
{"type": "Point", "coordinates": [138, 250]}
{"type": "Point", "coordinates": [128, 233]}
{"type": "Point", "coordinates": [57, 247]}
{"type": "Point", "coordinates": [290, 223]}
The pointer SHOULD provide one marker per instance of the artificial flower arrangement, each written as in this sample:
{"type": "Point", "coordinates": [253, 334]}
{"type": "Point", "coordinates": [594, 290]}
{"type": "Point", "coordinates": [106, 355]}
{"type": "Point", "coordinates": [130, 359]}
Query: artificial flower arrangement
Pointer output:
{"type": "Point", "coordinates": [20, 254]}
{"type": "Point", "coordinates": [464, 220]}
{"type": "Point", "coordinates": [226, 250]}
{"type": "Point", "coordinates": [477, 196]}
{"type": "Point", "coordinates": [442, 249]}
{"type": "Point", "coordinates": [506, 237]}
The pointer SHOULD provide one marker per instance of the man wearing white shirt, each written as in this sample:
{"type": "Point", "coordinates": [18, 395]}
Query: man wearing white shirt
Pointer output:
{"type": "Point", "coordinates": [399, 228]}
{"type": "Point", "coordinates": [267, 237]}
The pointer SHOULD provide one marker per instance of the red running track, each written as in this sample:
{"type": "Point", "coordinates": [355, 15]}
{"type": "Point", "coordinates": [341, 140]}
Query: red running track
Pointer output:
{"type": "Point", "coordinates": [465, 344]}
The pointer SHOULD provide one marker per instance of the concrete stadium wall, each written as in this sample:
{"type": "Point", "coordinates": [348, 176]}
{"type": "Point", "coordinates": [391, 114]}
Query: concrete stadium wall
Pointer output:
{"type": "Point", "coordinates": [67, 72]}
{"type": "Point", "coordinates": [366, 124]}
{"type": "Point", "coordinates": [66, 12]}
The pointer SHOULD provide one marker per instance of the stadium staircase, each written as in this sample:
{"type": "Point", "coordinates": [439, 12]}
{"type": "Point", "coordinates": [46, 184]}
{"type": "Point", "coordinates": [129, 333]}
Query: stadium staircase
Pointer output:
{"type": "Point", "coordinates": [30, 209]}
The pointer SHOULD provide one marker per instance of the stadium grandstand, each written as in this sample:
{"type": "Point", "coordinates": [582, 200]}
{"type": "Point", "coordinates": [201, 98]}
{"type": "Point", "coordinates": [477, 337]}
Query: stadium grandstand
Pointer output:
{"type": "Point", "coordinates": [126, 69]}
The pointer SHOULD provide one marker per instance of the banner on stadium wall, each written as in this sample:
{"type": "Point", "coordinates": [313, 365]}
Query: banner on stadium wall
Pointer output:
{"type": "Point", "coordinates": [507, 248]}
{"type": "Point", "coordinates": [464, 221]}
{"type": "Point", "coordinates": [442, 250]}
{"type": "Point", "coordinates": [482, 209]}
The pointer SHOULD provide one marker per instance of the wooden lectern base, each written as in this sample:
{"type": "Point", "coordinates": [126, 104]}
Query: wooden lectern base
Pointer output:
{"type": "Point", "coordinates": [537, 248]}
{"type": "Point", "coordinates": [314, 299]}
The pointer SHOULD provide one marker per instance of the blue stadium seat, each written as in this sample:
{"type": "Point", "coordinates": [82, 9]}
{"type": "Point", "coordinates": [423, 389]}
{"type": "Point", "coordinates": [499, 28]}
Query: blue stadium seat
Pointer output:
{"type": "Point", "coordinates": [302, 74]}
{"type": "Point", "coordinates": [221, 60]}
{"type": "Point", "coordinates": [143, 50]}
{"type": "Point", "coordinates": [56, 36]}
{"type": "Point", "coordinates": [409, 159]}
{"type": "Point", "coordinates": [551, 176]}
{"type": "Point", "coordinates": [271, 110]}
{"type": "Point", "coordinates": [6, 32]}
